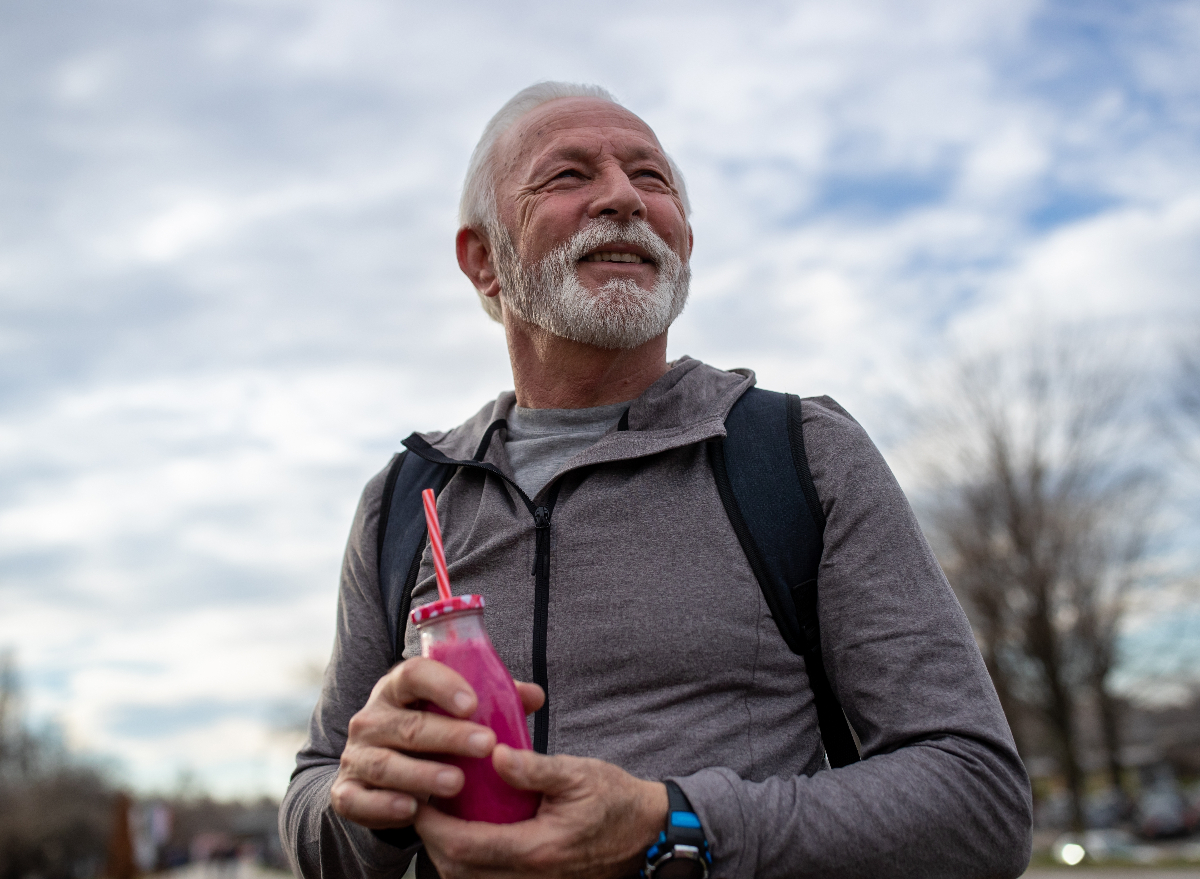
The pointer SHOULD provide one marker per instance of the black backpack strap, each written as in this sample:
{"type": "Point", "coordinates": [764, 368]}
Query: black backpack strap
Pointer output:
{"type": "Point", "coordinates": [401, 537]}
{"type": "Point", "coordinates": [762, 476]}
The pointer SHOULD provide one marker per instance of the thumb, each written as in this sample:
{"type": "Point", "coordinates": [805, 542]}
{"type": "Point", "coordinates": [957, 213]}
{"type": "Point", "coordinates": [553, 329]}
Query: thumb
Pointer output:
{"type": "Point", "coordinates": [528, 770]}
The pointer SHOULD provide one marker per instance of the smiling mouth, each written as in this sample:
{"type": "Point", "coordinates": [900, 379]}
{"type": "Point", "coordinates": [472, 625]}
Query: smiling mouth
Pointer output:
{"type": "Point", "coordinates": [612, 256]}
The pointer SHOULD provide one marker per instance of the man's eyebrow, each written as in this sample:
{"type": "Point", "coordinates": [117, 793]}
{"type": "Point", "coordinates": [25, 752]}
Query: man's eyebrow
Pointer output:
{"type": "Point", "coordinates": [577, 153]}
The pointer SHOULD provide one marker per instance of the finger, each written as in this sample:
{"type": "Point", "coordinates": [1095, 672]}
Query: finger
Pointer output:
{"type": "Point", "coordinates": [407, 729]}
{"type": "Point", "coordinates": [419, 679]}
{"type": "Point", "coordinates": [528, 770]}
{"type": "Point", "coordinates": [376, 809]}
{"type": "Point", "coordinates": [487, 847]}
{"type": "Point", "coordinates": [437, 823]}
{"type": "Point", "coordinates": [532, 696]}
{"type": "Point", "coordinates": [385, 769]}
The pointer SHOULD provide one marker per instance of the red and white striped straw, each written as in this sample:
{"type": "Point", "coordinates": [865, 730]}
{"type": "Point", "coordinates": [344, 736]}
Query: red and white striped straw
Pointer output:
{"type": "Point", "coordinates": [435, 541]}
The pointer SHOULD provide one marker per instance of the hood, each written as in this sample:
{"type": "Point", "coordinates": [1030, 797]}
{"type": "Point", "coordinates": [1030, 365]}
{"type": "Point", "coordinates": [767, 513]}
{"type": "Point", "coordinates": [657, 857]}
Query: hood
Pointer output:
{"type": "Point", "coordinates": [687, 405]}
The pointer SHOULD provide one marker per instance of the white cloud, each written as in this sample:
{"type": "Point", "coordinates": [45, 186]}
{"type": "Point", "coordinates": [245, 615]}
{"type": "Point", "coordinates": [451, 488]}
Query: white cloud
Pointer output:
{"type": "Point", "coordinates": [180, 226]}
{"type": "Point", "coordinates": [1132, 264]}
{"type": "Point", "coordinates": [83, 79]}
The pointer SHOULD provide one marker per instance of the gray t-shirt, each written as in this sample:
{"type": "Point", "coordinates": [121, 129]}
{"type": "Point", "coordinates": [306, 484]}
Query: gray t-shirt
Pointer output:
{"type": "Point", "coordinates": [541, 440]}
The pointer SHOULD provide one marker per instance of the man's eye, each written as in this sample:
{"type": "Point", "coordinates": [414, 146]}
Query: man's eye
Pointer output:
{"type": "Point", "coordinates": [570, 172]}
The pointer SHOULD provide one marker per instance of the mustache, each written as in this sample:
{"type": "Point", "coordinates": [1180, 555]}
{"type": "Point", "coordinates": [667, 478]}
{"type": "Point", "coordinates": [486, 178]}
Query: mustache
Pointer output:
{"type": "Point", "coordinates": [601, 232]}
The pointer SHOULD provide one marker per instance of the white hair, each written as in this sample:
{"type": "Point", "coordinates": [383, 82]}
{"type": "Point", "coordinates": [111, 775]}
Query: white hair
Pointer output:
{"type": "Point", "coordinates": [477, 206]}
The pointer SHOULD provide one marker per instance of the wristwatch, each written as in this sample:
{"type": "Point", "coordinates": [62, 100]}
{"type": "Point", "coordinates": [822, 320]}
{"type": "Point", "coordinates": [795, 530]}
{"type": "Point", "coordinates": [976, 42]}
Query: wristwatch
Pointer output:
{"type": "Point", "coordinates": [681, 851]}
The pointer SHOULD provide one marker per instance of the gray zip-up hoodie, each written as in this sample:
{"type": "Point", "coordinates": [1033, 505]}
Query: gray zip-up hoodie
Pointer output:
{"type": "Point", "coordinates": [663, 658]}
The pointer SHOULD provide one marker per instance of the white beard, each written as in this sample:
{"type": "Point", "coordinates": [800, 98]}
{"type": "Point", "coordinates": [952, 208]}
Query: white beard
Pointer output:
{"type": "Point", "coordinates": [620, 314]}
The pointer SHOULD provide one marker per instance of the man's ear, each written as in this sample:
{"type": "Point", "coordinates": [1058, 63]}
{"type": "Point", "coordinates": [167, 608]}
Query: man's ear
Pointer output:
{"type": "Point", "coordinates": [475, 260]}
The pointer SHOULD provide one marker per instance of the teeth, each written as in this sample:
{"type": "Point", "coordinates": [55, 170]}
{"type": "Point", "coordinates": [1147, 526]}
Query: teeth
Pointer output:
{"type": "Point", "coordinates": [610, 256]}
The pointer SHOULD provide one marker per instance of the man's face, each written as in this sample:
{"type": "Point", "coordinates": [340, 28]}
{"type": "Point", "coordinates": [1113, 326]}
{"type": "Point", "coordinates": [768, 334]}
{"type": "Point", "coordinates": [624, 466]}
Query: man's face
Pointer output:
{"type": "Point", "coordinates": [595, 243]}
{"type": "Point", "coordinates": [577, 159]}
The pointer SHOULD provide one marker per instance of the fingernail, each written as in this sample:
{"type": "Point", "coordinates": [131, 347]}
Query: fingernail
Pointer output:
{"type": "Point", "coordinates": [446, 781]}
{"type": "Point", "coordinates": [462, 699]}
{"type": "Point", "coordinates": [480, 742]}
{"type": "Point", "coordinates": [405, 806]}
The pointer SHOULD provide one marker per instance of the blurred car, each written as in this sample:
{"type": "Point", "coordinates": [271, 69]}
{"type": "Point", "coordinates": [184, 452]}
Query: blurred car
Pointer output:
{"type": "Point", "coordinates": [1162, 810]}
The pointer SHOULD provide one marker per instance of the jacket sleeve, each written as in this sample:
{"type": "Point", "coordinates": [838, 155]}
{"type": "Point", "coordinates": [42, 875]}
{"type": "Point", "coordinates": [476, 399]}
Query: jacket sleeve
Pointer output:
{"type": "Point", "coordinates": [320, 843]}
{"type": "Point", "coordinates": [940, 791]}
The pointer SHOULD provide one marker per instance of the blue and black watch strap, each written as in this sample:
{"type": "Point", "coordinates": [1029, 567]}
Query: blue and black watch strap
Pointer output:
{"type": "Point", "coordinates": [682, 823]}
{"type": "Point", "coordinates": [681, 849]}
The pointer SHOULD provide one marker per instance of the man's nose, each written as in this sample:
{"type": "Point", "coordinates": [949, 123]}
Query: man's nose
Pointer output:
{"type": "Point", "coordinates": [616, 197]}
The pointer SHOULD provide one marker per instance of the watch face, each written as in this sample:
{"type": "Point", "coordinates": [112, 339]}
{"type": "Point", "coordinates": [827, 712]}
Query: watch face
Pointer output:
{"type": "Point", "coordinates": [679, 868]}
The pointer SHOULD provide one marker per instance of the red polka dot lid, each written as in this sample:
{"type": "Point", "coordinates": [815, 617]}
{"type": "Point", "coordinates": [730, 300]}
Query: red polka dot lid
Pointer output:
{"type": "Point", "coordinates": [445, 606]}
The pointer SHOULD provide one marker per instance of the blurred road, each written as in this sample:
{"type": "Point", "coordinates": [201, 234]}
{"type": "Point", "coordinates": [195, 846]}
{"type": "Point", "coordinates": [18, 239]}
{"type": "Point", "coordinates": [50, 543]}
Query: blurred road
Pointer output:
{"type": "Point", "coordinates": [229, 870]}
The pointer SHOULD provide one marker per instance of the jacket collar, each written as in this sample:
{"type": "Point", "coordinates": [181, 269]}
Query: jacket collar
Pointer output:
{"type": "Point", "coordinates": [687, 405]}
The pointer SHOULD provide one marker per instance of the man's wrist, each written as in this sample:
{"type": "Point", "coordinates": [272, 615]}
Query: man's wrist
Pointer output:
{"type": "Point", "coordinates": [652, 818]}
{"type": "Point", "coordinates": [657, 806]}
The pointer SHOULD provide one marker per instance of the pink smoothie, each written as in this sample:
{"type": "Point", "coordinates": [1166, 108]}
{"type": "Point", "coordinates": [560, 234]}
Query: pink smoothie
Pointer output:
{"type": "Point", "coordinates": [485, 796]}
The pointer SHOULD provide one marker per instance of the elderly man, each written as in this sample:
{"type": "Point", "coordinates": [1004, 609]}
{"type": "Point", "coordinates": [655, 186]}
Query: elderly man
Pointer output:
{"type": "Point", "coordinates": [670, 688]}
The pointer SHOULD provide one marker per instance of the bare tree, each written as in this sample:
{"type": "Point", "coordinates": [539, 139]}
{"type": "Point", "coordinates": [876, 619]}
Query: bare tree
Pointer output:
{"type": "Point", "coordinates": [1039, 517]}
{"type": "Point", "coordinates": [17, 747]}
{"type": "Point", "coordinates": [53, 811]}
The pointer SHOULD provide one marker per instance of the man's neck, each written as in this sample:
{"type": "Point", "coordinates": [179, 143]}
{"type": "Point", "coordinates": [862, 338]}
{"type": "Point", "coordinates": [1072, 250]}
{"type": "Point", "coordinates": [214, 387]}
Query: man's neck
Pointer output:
{"type": "Point", "coordinates": [551, 372]}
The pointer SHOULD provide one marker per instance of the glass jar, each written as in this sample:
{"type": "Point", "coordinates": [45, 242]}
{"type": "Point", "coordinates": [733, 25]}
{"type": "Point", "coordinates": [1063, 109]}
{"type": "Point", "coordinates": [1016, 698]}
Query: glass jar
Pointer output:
{"type": "Point", "coordinates": [452, 632]}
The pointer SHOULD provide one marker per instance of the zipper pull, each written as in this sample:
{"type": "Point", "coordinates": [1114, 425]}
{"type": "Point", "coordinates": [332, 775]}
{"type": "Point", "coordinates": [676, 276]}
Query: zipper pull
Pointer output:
{"type": "Point", "coordinates": [541, 556]}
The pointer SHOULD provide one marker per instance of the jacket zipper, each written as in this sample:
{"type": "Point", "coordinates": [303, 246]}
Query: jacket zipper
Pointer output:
{"type": "Point", "coordinates": [541, 616]}
{"type": "Point", "coordinates": [541, 567]}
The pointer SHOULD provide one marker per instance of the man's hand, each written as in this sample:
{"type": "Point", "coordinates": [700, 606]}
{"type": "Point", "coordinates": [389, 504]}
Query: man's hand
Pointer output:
{"type": "Point", "coordinates": [595, 820]}
{"type": "Point", "coordinates": [380, 782]}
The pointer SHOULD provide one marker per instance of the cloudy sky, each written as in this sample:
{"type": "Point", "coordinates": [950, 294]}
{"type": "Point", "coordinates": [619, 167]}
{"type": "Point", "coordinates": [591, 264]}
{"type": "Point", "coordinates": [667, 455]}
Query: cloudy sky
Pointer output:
{"type": "Point", "coordinates": [228, 289]}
